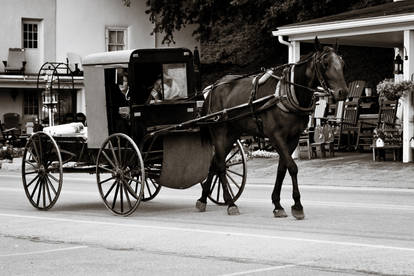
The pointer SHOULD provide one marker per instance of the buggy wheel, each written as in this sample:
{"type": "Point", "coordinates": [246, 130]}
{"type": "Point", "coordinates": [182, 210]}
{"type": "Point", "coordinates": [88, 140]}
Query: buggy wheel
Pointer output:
{"type": "Point", "coordinates": [120, 174]}
{"type": "Point", "coordinates": [42, 172]}
{"type": "Point", "coordinates": [151, 190]}
{"type": "Point", "coordinates": [236, 173]}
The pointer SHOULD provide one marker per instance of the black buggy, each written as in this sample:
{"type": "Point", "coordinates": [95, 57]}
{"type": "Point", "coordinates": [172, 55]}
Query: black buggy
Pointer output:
{"type": "Point", "coordinates": [142, 132]}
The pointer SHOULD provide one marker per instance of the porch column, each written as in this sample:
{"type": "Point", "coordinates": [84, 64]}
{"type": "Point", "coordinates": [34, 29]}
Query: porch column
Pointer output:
{"type": "Point", "coordinates": [408, 125]}
{"type": "Point", "coordinates": [80, 101]}
{"type": "Point", "coordinates": [294, 56]}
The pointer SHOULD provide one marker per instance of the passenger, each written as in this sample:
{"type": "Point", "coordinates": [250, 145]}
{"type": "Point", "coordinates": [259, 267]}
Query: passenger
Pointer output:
{"type": "Point", "coordinates": [120, 100]}
{"type": "Point", "coordinates": [156, 92]}
{"type": "Point", "coordinates": [171, 90]}
{"type": "Point", "coordinates": [123, 87]}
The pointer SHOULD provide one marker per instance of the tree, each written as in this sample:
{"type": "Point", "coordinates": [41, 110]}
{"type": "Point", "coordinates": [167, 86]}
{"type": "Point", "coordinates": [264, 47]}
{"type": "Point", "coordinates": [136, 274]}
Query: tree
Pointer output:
{"type": "Point", "coordinates": [239, 31]}
{"type": "Point", "coordinates": [169, 16]}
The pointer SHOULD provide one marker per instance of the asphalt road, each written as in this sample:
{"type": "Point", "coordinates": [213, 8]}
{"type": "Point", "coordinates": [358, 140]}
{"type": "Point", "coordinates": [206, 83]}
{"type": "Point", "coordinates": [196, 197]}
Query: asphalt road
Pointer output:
{"type": "Point", "coordinates": [347, 231]}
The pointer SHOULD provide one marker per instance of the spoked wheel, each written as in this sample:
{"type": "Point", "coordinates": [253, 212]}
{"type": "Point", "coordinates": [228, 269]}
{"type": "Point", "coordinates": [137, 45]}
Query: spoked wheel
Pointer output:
{"type": "Point", "coordinates": [42, 171]}
{"type": "Point", "coordinates": [120, 174]}
{"type": "Point", "coordinates": [151, 189]}
{"type": "Point", "coordinates": [236, 173]}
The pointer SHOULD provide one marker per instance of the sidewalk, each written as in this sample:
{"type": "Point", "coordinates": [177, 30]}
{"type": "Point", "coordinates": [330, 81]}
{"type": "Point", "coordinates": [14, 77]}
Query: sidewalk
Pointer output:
{"type": "Point", "coordinates": [15, 166]}
{"type": "Point", "coordinates": [344, 170]}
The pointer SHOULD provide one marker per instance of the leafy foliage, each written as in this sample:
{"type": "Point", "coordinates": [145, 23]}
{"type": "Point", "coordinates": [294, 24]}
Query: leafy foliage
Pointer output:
{"type": "Point", "coordinates": [174, 15]}
{"type": "Point", "coordinates": [394, 90]}
{"type": "Point", "coordinates": [236, 34]}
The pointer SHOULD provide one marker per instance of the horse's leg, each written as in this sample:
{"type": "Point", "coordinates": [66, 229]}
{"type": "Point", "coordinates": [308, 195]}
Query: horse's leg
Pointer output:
{"type": "Point", "coordinates": [279, 212]}
{"type": "Point", "coordinates": [222, 150]}
{"type": "Point", "coordinates": [202, 201]}
{"type": "Point", "coordinates": [223, 144]}
{"type": "Point", "coordinates": [297, 208]}
{"type": "Point", "coordinates": [287, 163]}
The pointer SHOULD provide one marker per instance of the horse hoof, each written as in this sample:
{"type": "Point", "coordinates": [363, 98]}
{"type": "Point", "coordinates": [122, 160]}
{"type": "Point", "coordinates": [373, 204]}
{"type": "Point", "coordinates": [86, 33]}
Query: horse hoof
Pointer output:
{"type": "Point", "coordinates": [233, 211]}
{"type": "Point", "coordinates": [298, 214]}
{"type": "Point", "coordinates": [201, 206]}
{"type": "Point", "coordinates": [279, 213]}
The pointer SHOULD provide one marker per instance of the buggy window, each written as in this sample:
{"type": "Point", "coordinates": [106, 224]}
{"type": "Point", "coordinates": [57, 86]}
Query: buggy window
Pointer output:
{"type": "Point", "coordinates": [174, 81]}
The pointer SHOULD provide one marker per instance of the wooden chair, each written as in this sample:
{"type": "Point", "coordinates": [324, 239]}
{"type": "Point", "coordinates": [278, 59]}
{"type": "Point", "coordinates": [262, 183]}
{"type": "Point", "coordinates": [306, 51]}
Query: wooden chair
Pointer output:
{"type": "Point", "coordinates": [2, 135]}
{"type": "Point", "coordinates": [7, 136]}
{"type": "Point", "coordinates": [386, 121]}
{"type": "Point", "coordinates": [309, 139]}
{"type": "Point", "coordinates": [16, 61]}
{"type": "Point", "coordinates": [347, 125]}
{"type": "Point", "coordinates": [12, 123]}
{"type": "Point", "coordinates": [305, 142]}
{"type": "Point", "coordinates": [11, 128]}
{"type": "Point", "coordinates": [387, 114]}
{"type": "Point", "coordinates": [355, 90]}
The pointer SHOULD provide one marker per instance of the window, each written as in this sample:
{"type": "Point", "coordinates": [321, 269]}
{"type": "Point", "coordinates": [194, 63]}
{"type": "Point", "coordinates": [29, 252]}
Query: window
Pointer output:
{"type": "Point", "coordinates": [30, 34]}
{"type": "Point", "coordinates": [31, 103]}
{"type": "Point", "coordinates": [174, 80]}
{"type": "Point", "coordinates": [116, 39]}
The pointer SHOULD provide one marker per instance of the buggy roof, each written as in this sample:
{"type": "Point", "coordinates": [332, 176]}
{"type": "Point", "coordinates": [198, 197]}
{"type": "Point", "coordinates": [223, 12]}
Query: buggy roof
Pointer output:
{"type": "Point", "coordinates": [123, 57]}
{"type": "Point", "coordinates": [107, 58]}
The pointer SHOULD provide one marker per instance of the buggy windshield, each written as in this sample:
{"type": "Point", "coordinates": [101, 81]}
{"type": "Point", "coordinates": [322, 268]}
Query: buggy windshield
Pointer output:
{"type": "Point", "coordinates": [174, 81]}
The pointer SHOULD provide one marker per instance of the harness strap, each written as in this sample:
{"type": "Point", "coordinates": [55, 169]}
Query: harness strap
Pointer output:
{"type": "Point", "coordinates": [253, 95]}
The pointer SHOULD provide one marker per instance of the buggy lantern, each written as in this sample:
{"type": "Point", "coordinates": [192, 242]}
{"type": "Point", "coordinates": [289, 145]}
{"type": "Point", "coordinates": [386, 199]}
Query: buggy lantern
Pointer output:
{"type": "Point", "coordinates": [398, 65]}
{"type": "Point", "coordinates": [49, 98]}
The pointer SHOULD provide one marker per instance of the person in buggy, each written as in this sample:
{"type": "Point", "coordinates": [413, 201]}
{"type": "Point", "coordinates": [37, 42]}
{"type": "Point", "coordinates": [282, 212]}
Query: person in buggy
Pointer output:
{"type": "Point", "coordinates": [164, 89]}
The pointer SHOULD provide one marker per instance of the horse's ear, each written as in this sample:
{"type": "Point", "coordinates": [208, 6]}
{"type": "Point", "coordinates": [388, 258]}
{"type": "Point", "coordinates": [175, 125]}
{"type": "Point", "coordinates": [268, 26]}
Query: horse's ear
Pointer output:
{"type": "Point", "coordinates": [317, 44]}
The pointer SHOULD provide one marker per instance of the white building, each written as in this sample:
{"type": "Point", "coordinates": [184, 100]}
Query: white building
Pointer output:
{"type": "Point", "coordinates": [53, 30]}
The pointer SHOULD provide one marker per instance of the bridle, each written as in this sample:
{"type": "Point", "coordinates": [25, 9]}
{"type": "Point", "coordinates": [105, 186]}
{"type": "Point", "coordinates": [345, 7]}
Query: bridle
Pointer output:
{"type": "Point", "coordinates": [317, 63]}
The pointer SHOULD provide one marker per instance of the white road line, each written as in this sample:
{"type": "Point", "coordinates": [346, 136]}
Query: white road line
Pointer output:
{"type": "Point", "coordinates": [44, 251]}
{"type": "Point", "coordinates": [265, 269]}
{"type": "Point", "coordinates": [214, 232]}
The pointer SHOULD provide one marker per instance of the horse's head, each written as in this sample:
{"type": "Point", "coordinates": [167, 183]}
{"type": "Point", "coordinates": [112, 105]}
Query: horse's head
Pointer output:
{"type": "Point", "coordinates": [329, 66]}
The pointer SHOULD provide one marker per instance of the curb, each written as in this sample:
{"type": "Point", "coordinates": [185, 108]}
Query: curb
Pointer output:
{"type": "Point", "coordinates": [14, 166]}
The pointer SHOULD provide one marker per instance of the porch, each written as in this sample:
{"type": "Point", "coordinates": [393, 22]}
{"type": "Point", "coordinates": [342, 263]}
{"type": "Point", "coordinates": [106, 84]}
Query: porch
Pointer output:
{"type": "Point", "coordinates": [22, 95]}
{"type": "Point", "coordinates": [385, 26]}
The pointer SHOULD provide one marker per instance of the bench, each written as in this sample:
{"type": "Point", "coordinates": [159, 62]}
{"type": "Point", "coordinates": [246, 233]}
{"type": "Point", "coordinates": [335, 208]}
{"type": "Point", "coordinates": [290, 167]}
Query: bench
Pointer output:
{"type": "Point", "coordinates": [395, 149]}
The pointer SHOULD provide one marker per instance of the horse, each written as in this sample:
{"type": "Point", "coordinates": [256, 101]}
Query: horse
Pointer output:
{"type": "Point", "coordinates": [282, 123]}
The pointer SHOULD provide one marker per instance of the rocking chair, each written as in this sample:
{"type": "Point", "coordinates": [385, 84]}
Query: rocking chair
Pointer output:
{"type": "Point", "coordinates": [386, 121]}
{"type": "Point", "coordinates": [16, 61]}
{"type": "Point", "coordinates": [347, 126]}
{"type": "Point", "coordinates": [355, 90]}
